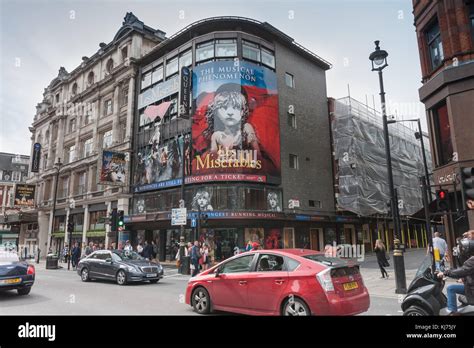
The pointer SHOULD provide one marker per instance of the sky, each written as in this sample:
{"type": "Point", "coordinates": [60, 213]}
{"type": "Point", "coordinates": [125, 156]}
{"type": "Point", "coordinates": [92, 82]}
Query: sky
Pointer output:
{"type": "Point", "coordinates": [39, 36]}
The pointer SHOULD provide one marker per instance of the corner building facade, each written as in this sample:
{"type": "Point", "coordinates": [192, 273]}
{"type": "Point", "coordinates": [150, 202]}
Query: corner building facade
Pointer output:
{"type": "Point", "coordinates": [254, 144]}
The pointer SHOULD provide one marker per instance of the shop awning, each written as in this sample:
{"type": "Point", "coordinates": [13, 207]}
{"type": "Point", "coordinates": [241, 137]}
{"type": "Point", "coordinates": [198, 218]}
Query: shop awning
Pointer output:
{"type": "Point", "coordinates": [95, 234]}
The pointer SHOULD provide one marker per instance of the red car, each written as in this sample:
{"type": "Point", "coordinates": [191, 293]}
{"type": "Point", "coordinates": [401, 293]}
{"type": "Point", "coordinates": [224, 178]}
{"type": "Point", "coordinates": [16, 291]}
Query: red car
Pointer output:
{"type": "Point", "coordinates": [280, 282]}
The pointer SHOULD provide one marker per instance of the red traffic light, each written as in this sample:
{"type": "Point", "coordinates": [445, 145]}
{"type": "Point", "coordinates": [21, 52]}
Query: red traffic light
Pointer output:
{"type": "Point", "coordinates": [441, 195]}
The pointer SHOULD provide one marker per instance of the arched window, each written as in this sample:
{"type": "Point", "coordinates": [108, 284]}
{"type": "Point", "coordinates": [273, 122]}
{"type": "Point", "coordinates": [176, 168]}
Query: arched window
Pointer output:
{"type": "Point", "coordinates": [110, 65]}
{"type": "Point", "coordinates": [74, 89]}
{"type": "Point", "coordinates": [46, 137]}
{"type": "Point", "coordinates": [90, 78]}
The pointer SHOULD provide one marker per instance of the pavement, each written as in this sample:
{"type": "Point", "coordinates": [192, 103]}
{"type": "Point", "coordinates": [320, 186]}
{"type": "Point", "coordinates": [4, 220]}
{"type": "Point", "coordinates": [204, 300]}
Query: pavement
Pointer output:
{"type": "Point", "coordinates": [61, 292]}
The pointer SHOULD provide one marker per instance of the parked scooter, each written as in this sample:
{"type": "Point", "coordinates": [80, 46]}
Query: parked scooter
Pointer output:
{"type": "Point", "coordinates": [425, 294]}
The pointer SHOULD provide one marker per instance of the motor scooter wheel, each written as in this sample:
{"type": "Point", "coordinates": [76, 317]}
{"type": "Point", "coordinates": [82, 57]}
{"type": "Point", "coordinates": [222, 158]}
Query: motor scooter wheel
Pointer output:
{"type": "Point", "coordinates": [415, 311]}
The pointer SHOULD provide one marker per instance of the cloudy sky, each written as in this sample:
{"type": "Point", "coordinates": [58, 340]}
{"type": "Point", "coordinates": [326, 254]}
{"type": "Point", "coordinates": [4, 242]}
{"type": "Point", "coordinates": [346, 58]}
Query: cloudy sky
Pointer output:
{"type": "Point", "coordinates": [39, 36]}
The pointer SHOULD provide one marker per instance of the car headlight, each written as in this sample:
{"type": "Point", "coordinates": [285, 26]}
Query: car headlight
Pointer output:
{"type": "Point", "coordinates": [133, 269]}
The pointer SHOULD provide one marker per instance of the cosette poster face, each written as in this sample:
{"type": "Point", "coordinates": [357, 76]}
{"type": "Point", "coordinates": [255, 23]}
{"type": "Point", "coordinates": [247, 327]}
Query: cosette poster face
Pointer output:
{"type": "Point", "coordinates": [235, 124]}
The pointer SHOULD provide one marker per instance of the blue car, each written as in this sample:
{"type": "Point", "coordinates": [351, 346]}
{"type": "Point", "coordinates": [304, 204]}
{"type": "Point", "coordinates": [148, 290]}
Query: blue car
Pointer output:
{"type": "Point", "coordinates": [15, 274]}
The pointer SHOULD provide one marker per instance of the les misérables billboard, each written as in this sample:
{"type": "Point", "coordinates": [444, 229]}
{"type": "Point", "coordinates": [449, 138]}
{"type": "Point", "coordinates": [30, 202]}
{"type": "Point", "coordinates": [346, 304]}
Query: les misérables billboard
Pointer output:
{"type": "Point", "coordinates": [235, 131]}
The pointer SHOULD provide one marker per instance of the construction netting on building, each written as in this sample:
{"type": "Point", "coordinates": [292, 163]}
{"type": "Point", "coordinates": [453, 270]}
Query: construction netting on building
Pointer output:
{"type": "Point", "coordinates": [361, 166]}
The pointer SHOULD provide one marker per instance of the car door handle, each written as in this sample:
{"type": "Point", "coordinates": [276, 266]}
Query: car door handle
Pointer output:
{"type": "Point", "coordinates": [242, 282]}
{"type": "Point", "coordinates": [279, 281]}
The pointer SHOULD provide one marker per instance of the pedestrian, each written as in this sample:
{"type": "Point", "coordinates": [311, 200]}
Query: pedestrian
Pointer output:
{"type": "Point", "coordinates": [381, 253]}
{"type": "Point", "coordinates": [249, 246]}
{"type": "Point", "coordinates": [204, 261]}
{"type": "Point", "coordinates": [155, 249]}
{"type": "Point", "coordinates": [94, 247]}
{"type": "Point", "coordinates": [439, 249]}
{"type": "Point", "coordinates": [255, 246]}
{"type": "Point", "coordinates": [89, 249]}
{"type": "Point", "coordinates": [128, 246]}
{"type": "Point", "coordinates": [195, 256]}
{"type": "Point", "coordinates": [65, 253]}
{"type": "Point", "coordinates": [148, 251]}
{"type": "Point", "coordinates": [140, 249]}
{"type": "Point", "coordinates": [76, 255]}
{"type": "Point", "coordinates": [101, 246]}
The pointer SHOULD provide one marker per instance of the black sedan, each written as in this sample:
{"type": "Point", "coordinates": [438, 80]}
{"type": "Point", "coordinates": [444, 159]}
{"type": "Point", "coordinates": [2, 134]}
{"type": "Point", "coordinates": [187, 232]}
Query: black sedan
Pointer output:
{"type": "Point", "coordinates": [119, 265]}
{"type": "Point", "coordinates": [15, 274]}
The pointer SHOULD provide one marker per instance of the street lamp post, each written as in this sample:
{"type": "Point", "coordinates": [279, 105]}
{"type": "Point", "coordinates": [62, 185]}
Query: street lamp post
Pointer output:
{"type": "Point", "coordinates": [379, 62]}
{"type": "Point", "coordinates": [58, 165]}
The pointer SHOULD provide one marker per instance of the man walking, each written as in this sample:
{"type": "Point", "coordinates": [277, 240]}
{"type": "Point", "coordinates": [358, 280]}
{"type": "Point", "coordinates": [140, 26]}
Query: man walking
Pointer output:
{"type": "Point", "coordinates": [89, 249]}
{"type": "Point", "coordinates": [195, 256]}
{"type": "Point", "coordinates": [76, 255]}
{"type": "Point", "coordinates": [441, 245]}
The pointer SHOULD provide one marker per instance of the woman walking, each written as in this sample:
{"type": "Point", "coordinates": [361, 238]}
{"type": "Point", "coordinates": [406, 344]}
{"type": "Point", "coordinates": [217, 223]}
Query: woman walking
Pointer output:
{"type": "Point", "coordinates": [381, 253]}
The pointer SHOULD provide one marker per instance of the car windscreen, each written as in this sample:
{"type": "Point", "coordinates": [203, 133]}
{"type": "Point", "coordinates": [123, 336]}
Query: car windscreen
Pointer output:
{"type": "Point", "coordinates": [128, 255]}
{"type": "Point", "coordinates": [8, 257]}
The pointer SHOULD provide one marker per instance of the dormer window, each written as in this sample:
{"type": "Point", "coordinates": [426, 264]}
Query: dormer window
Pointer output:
{"type": "Point", "coordinates": [90, 78]}
{"type": "Point", "coordinates": [110, 66]}
{"type": "Point", "coordinates": [124, 53]}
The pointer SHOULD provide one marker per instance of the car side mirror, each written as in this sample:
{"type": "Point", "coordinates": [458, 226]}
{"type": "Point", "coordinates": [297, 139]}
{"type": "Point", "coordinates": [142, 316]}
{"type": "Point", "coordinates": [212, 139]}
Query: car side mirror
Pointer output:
{"type": "Point", "coordinates": [108, 260]}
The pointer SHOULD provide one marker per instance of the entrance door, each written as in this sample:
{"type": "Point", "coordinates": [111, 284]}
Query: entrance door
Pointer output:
{"type": "Point", "coordinates": [288, 237]}
{"type": "Point", "coordinates": [314, 237]}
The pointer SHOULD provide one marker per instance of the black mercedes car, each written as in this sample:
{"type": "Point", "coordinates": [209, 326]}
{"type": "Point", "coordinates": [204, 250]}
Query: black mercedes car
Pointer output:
{"type": "Point", "coordinates": [15, 274]}
{"type": "Point", "coordinates": [119, 265]}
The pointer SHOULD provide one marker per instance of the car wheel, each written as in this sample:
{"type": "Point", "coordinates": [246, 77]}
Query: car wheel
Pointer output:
{"type": "Point", "coordinates": [85, 275]}
{"type": "Point", "coordinates": [154, 281]}
{"type": "Point", "coordinates": [295, 307]}
{"type": "Point", "coordinates": [121, 278]}
{"type": "Point", "coordinates": [415, 311]}
{"type": "Point", "coordinates": [201, 301]}
{"type": "Point", "coordinates": [24, 291]}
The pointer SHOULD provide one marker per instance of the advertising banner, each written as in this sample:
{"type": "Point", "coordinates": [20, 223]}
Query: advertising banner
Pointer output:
{"type": "Point", "coordinates": [35, 160]}
{"type": "Point", "coordinates": [184, 91]}
{"type": "Point", "coordinates": [1, 195]}
{"type": "Point", "coordinates": [25, 195]}
{"type": "Point", "coordinates": [160, 165]}
{"type": "Point", "coordinates": [236, 123]}
{"type": "Point", "coordinates": [112, 168]}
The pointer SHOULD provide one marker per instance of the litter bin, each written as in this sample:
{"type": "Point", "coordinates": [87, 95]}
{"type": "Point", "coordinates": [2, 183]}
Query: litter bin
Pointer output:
{"type": "Point", "coordinates": [184, 267]}
{"type": "Point", "coordinates": [52, 262]}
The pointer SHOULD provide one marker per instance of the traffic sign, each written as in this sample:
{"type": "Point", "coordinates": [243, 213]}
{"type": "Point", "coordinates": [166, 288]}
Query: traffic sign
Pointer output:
{"type": "Point", "coordinates": [193, 222]}
{"type": "Point", "coordinates": [178, 216]}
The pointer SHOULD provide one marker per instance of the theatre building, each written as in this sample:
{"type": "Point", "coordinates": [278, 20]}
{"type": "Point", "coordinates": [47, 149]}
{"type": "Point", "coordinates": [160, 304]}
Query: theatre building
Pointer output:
{"type": "Point", "coordinates": [255, 141]}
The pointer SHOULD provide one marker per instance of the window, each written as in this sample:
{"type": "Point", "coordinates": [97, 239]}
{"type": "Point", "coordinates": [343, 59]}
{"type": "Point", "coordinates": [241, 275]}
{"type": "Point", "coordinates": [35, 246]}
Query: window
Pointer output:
{"type": "Point", "coordinates": [171, 67]}
{"type": "Point", "coordinates": [205, 51]}
{"type": "Point", "coordinates": [124, 99]}
{"type": "Point", "coordinates": [72, 125]}
{"type": "Point", "coordinates": [74, 89]}
{"type": "Point", "coordinates": [47, 137]}
{"type": "Point", "coordinates": [292, 264]}
{"type": "Point", "coordinates": [88, 147]}
{"type": "Point", "coordinates": [255, 199]}
{"type": "Point", "coordinates": [289, 80]}
{"type": "Point", "coordinates": [185, 59]}
{"type": "Point", "coordinates": [81, 184]}
{"type": "Point", "coordinates": [268, 58]}
{"type": "Point", "coordinates": [443, 134]}
{"type": "Point", "coordinates": [71, 153]}
{"type": "Point", "coordinates": [226, 48]}
{"type": "Point", "coordinates": [157, 74]}
{"type": "Point", "coordinates": [57, 98]}
{"type": "Point", "coordinates": [87, 118]}
{"type": "Point", "coordinates": [293, 161]}
{"type": "Point", "coordinates": [90, 78]}
{"type": "Point", "coordinates": [110, 66]}
{"type": "Point", "coordinates": [292, 120]}
{"type": "Point", "coordinates": [435, 46]}
{"type": "Point", "coordinates": [45, 161]}
{"type": "Point", "coordinates": [124, 53]}
{"type": "Point", "coordinates": [107, 139]}
{"type": "Point", "coordinates": [108, 107]}
{"type": "Point", "coordinates": [95, 217]}
{"type": "Point", "coordinates": [16, 176]}
{"type": "Point", "coordinates": [239, 265]}
{"type": "Point", "coordinates": [63, 190]}
{"type": "Point", "coordinates": [146, 80]}
{"type": "Point", "coordinates": [314, 204]}
{"type": "Point", "coordinates": [173, 107]}
{"type": "Point", "coordinates": [270, 263]}
{"type": "Point", "coordinates": [250, 50]}
{"type": "Point", "coordinates": [471, 20]}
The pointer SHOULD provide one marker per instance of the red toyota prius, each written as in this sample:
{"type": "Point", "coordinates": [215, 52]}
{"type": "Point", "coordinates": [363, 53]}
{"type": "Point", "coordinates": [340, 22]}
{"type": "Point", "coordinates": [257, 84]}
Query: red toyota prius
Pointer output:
{"type": "Point", "coordinates": [280, 282]}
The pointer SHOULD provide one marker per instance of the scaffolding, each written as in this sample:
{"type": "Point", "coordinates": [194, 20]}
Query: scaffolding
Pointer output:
{"type": "Point", "coordinates": [360, 161]}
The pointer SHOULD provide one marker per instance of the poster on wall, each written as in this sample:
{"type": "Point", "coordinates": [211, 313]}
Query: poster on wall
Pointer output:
{"type": "Point", "coordinates": [112, 168]}
{"type": "Point", "coordinates": [236, 121]}
{"type": "Point", "coordinates": [25, 195]}
{"type": "Point", "coordinates": [159, 164]}
{"type": "Point", "coordinates": [273, 239]}
{"type": "Point", "coordinates": [254, 235]}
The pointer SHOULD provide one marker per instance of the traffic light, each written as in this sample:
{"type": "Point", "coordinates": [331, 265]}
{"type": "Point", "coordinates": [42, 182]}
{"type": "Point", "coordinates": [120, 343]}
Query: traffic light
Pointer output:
{"type": "Point", "coordinates": [113, 220]}
{"type": "Point", "coordinates": [70, 226]}
{"type": "Point", "coordinates": [467, 186]}
{"type": "Point", "coordinates": [120, 222]}
{"type": "Point", "coordinates": [442, 200]}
